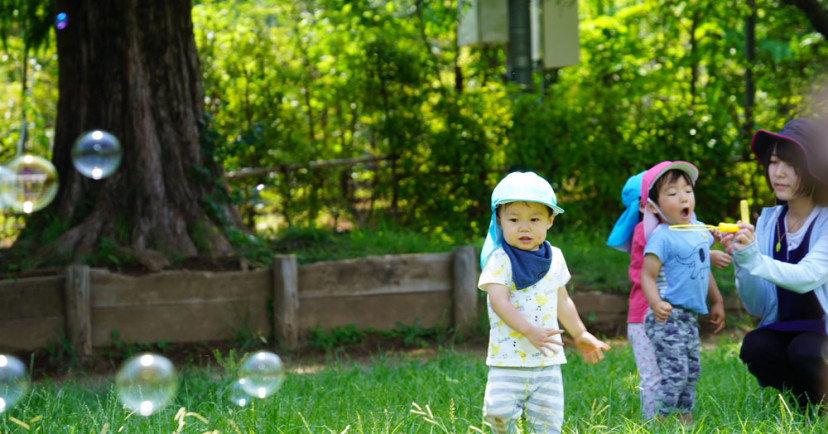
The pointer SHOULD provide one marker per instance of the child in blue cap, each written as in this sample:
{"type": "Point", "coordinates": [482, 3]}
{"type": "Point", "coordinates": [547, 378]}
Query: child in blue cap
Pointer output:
{"type": "Point", "coordinates": [525, 279]}
{"type": "Point", "coordinates": [628, 236]}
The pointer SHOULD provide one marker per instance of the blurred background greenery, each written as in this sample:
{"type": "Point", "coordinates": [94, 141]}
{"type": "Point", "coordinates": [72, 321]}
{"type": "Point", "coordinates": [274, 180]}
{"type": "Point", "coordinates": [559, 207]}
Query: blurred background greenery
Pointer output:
{"type": "Point", "coordinates": [290, 82]}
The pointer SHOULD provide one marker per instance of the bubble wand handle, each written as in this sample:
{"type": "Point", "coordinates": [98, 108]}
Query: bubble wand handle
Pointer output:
{"type": "Point", "coordinates": [722, 227]}
{"type": "Point", "coordinates": [743, 205]}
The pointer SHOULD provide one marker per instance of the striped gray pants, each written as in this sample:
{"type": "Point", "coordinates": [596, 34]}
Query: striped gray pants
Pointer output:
{"type": "Point", "coordinates": [537, 391]}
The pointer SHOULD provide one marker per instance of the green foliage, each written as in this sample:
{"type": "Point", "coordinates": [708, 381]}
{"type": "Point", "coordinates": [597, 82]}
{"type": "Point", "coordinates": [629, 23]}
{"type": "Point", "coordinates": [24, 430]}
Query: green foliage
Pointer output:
{"type": "Point", "coordinates": [251, 247]}
{"type": "Point", "coordinates": [61, 351]}
{"type": "Point", "coordinates": [38, 104]}
{"type": "Point", "coordinates": [230, 362]}
{"type": "Point", "coordinates": [118, 349]}
{"type": "Point", "coordinates": [297, 82]}
{"type": "Point", "coordinates": [290, 82]}
{"type": "Point", "coordinates": [415, 334]}
{"type": "Point", "coordinates": [340, 337]}
{"type": "Point", "coordinates": [26, 34]}
{"type": "Point", "coordinates": [54, 230]}
{"type": "Point", "coordinates": [245, 336]}
{"type": "Point", "coordinates": [315, 244]}
{"type": "Point", "coordinates": [108, 254]}
{"type": "Point", "coordinates": [30, 19]}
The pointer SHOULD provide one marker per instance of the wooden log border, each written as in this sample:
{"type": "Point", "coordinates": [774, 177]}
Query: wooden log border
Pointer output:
{"type": "Point", "coordinates": [91, 307]}
{"type": "Point", "coordinates": [86, 306]}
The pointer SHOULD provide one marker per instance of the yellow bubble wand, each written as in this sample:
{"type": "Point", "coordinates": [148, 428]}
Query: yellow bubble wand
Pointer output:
{"type": "Point", "coordinates": [722, 227]}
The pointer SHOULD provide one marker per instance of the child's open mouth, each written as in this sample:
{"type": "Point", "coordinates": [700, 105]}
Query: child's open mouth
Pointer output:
{"type": "Point", "coordinates": [525, 239]}
{"type": "Point", "coordinates": [685, 213]}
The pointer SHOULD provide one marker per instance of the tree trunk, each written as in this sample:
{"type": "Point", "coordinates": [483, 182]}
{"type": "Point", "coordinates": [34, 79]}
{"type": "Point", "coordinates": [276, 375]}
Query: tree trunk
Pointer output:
{"type": "Point", "coordinates": [130, 67]}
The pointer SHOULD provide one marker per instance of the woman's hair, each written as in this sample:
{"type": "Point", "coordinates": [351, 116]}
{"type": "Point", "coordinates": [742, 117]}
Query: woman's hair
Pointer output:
{"type": "Point", "coordinates": [792, 154]}
{"type": "Point", "coordinates": [671, 175]}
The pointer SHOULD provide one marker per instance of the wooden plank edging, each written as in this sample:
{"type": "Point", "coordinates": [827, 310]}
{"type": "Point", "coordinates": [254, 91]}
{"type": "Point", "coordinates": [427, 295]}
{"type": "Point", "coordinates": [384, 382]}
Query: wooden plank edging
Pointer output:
{"type": "Point", "coordinates": [78, 310]}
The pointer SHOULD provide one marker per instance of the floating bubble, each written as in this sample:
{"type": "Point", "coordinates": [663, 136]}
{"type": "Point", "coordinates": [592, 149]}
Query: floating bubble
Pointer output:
{"type": "Point", "coordinates": [14, 383]}
{"type": "Point", "coordinates": [6, 177]}
{"type": "Point", "coordinates": [237, 394]}
{"type": "Point", "coordinates": [261, 374]}
{"type": "Point", "coordinates": [30, 184]}
{"type": "Point", "coordinates": [146, 382]}
{"type": "Point", "coordinates": [97, 154]}
{"type": "Point", "coordinates": [61, 21]}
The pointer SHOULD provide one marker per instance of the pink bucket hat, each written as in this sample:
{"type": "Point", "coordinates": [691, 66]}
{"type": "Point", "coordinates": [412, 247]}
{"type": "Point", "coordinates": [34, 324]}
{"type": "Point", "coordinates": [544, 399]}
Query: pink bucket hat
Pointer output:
{"type": "Point", "coordinates": [650, 177]}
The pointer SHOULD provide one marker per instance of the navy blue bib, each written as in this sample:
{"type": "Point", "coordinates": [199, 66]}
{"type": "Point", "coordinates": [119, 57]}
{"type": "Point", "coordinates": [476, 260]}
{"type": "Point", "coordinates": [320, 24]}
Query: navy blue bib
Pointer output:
{"type": "Point", "coordinates": [529, 267]}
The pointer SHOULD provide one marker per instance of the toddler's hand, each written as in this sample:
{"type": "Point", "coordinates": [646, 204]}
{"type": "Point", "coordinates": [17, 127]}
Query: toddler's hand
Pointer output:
{"type": "Point", "coordinates": [592, 350]}
{"type": "Point", "coordinates": [541, 338]}
{"type": "Point", "coordinates": [662, 310]}
{"type": "Point", "coordinates": [717, 316]}
{"type": "Point", "coordinates": [720, 259]}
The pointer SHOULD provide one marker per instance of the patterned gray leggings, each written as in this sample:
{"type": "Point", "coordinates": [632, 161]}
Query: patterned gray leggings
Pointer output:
{"type": "Point", "coordinates": [676, 344]}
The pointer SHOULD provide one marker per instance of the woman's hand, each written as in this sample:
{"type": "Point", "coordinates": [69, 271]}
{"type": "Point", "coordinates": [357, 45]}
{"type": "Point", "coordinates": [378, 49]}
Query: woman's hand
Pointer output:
{"type": "Point", "coordinates": [744, 237]}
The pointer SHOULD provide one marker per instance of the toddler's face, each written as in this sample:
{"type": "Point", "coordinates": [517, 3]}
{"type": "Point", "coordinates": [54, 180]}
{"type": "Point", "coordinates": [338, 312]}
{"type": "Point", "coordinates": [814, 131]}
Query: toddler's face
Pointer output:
{"type": "Point", "coordinates": [676, 201]}
{"type": "Point", "coordinates": [524, 224]}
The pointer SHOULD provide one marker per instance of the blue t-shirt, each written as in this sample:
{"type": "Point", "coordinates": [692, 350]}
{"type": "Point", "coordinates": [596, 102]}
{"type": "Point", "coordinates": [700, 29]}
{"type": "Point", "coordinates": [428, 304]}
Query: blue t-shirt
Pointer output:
{"type": "Point", "coordinates": [685, 264]}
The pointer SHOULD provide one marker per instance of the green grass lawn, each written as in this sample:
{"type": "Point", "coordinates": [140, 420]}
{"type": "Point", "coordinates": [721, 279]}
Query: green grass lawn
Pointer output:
{"type": "Point", "coordinates": [434, 389]}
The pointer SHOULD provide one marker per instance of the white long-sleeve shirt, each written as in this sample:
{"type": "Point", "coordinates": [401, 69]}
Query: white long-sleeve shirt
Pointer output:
{"type": "Point", "coordinates": [758, 274]}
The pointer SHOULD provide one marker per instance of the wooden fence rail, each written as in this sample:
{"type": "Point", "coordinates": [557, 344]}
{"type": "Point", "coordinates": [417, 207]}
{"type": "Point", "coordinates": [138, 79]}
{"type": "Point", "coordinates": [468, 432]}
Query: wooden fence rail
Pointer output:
{"type": "Point", "coordinates": [249, 172]}
{"type": "Point", "coordinates": [87, 305]}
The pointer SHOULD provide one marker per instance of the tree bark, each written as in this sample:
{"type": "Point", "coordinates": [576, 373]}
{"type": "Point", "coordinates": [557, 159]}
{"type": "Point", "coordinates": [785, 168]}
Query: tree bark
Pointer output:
{"type": "Point", "coordinates": [130, 67]}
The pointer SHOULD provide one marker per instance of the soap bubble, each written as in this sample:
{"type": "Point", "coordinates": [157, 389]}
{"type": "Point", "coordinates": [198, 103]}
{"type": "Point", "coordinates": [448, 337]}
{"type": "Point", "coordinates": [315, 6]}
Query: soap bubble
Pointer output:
{"type": "Point", "coordinates": [61, 21]}
{"type": "Point", "coordinates": [14, 383]}
{"type": "Point", "coordinates": [6, 178]}
{"type": "Point", "coordinates": [262, 374]}
{"type": "Point", "coordinates": [97, 154]}
{"type": "Point", "coordinates": [237, 394]}
{"type": "Point", "coordinates": [30, 184]}
{"type": "Point", "coordinates": [146, 382]}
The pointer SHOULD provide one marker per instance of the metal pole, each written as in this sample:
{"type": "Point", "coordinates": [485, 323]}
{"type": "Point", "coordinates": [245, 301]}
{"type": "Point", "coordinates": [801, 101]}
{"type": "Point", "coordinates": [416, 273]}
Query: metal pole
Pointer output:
{"type": "Point", "coordinates": [750, 48]}
{"type": "Point", "coordinates": [519, 47]}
